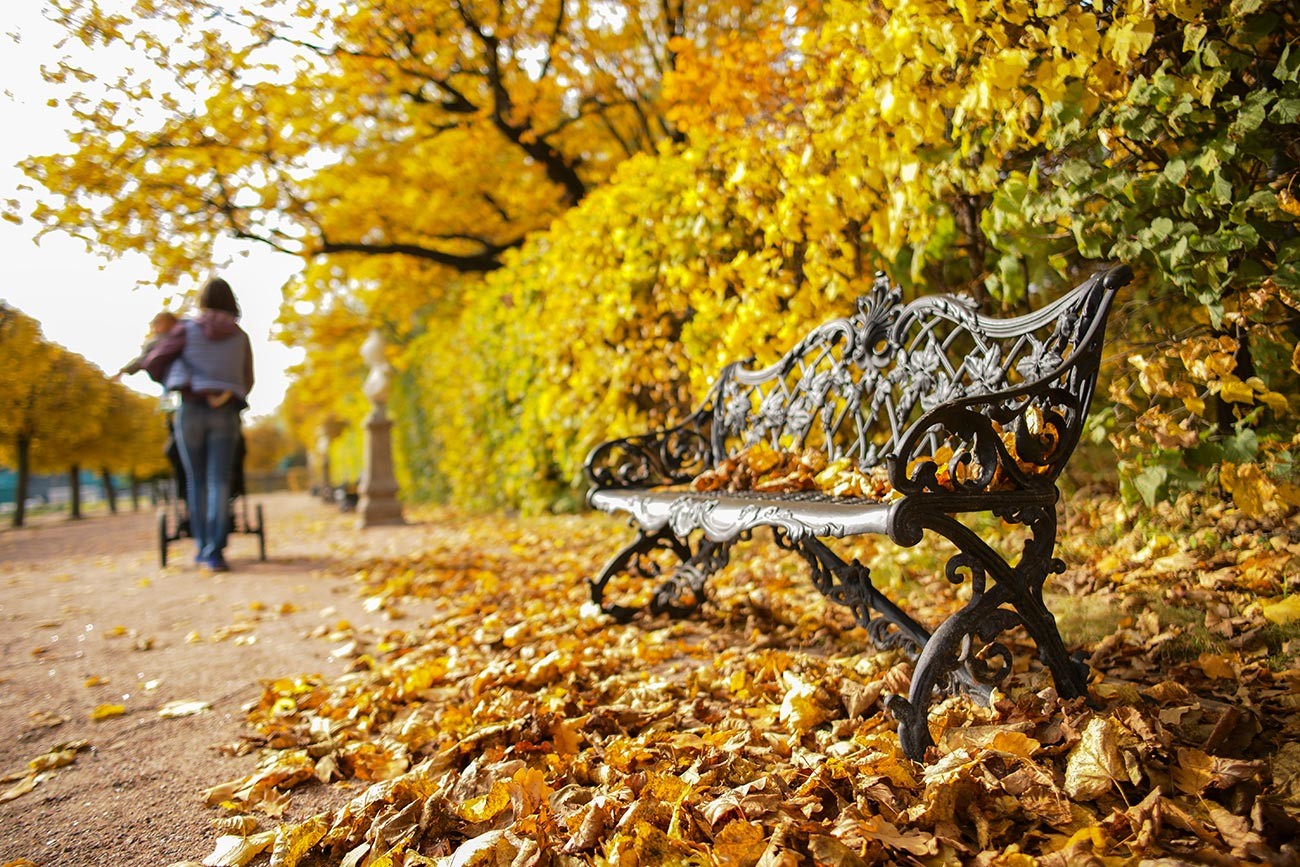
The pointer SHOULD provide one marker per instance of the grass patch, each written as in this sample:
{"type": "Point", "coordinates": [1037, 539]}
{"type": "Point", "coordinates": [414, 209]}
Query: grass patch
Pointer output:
{"type": "Point", "coordinates": [1084, 620]}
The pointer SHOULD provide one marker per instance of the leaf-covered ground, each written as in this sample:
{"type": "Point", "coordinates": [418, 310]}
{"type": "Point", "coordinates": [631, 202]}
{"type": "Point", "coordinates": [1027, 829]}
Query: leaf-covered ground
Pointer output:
{"type": "Point", "coordinates": [516, 726]}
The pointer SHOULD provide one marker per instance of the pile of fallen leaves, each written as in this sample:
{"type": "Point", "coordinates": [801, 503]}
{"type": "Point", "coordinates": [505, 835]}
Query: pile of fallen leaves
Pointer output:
{"type": "Point", "coordinates": [516, 726]}
{"type": "Point", "coordinates": [760, 467]}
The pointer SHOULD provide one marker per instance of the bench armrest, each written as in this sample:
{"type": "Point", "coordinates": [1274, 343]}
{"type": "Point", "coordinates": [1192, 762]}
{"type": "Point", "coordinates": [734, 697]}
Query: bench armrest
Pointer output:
{"type": "Point", "coordinates": [1018, 437]}
{"type": "Point", "coordinates": [669, 456]}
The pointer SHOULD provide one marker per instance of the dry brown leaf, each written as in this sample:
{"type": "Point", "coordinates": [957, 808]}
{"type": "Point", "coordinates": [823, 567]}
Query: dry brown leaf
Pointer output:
{"type": "Point", "coordinates": [827, 850]}
{"type": "Point", "coordinates": [1095, 763]}
{"type": "Point", "coordinates": [1197, 771]}
{"type": "Point", "coordinates": [1285, 768]}
{"type": "Point", "coordinates": [915, 843]}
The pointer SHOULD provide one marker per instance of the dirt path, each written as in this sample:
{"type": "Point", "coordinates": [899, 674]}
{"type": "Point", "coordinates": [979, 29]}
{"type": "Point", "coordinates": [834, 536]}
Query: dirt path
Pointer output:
{"type": "Point", "coordinates": [88, 619]}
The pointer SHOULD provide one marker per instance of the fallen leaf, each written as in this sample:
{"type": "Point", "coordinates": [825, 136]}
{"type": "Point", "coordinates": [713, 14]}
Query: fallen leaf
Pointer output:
{"type": "Point", "coordinates": [183, 707]}
{"type": "Point", "coordinates": [1217, 666]}
{"type": "Point", "coordinates": [292, 842]}
{"type": "Point", "coordinates": [1284, 611]}
{"type": "Point", "coordinates": [738, 844]}
{"type": "Point", "coordinates": [1095, 762]}
{"type": "Point", "coordinates": [46, 718]}
{"type": "Point", "coordinates": [23, 787]}
{"type": "Point", "coordinates": [236, 850]}
{"type": "Point", "coordinates": [107, 711]}
{"type": "Point", "coordinates": [54, 759]}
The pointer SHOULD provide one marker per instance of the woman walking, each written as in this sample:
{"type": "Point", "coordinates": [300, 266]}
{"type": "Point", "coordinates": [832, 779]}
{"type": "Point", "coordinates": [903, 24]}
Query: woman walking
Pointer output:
{"type": "Point", "coordinates": [219, 362]}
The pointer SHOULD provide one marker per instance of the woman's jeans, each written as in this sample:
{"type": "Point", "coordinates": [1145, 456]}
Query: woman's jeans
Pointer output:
{"type": "Point", "coordinates": [207, 437]}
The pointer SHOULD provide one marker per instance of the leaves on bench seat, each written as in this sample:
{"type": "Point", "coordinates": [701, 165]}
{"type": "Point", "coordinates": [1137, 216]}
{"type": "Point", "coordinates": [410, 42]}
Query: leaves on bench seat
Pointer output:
{"type": "Point", "coordinates": [762, 468]}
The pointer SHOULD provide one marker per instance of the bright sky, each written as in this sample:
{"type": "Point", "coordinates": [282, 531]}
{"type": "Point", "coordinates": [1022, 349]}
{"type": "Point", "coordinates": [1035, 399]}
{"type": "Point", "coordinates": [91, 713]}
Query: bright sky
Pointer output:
{"type": "Point", "coordinates": [83, 302]}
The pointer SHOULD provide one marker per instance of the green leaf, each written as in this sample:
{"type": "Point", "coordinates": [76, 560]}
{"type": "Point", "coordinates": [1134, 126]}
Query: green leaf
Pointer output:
{"type": "Point", "coordinates": [1151, 483]}
{"type": "Point", "coordinates": [1242, 447]}
{"type": "Point", "coordinates": [1193, 34]}
{"type": "Point", "coordinates": [1288, 65]}
{"type": "Point", "coordinates": [1176, 170]}
{"type": "Point", "coordinates": [1161, 228]}
{"type": "Point", "coordinates": [1252, 114]}
{"type": "Point", "coordinates": [1285, 111]}
{"type": "Point", "coordinates": [1221, 189]}
{"type": "Point", "coordinates": [1180, 253]}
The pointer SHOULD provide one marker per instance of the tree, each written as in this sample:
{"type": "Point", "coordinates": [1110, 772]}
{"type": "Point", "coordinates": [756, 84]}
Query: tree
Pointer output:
{"type": "Point", "coordinates": [66, 420]}
{"type": "Point", "coordinates": [27, 360]}
{"type": "Point", "coordinates": [131, 439]}
{"type": "Point", "coordinates": [443, 133]}
{"type": "Point", "coordinates": [266, 445]}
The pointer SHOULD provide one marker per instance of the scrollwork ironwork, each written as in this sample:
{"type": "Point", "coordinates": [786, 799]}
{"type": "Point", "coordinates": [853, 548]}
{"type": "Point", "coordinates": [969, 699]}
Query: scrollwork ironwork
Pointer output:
{"type": "Point", "coordinates": [963, 644]}
{"type": "Point", "coordinates": [683, 591]}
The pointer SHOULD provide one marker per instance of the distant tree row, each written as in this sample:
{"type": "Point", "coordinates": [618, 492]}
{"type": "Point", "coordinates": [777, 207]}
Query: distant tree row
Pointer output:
{"type": "Point", "coordinates": [58, 412]}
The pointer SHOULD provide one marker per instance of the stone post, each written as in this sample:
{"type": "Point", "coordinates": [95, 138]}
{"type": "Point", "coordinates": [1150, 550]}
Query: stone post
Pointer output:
{"type": "Point", "coordinates": [378, 504]}
{"type": "Point", "coordinates": [326, 434]}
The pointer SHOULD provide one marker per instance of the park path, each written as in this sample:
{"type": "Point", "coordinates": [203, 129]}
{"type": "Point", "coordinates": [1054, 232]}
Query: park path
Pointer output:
{"type": "Point", "coordinates": [89, 619]}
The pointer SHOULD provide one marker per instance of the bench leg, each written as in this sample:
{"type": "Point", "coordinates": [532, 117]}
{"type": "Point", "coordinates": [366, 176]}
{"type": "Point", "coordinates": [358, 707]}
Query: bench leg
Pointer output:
{"type": "Point", "coordinates": [681, 590]}
{"type": "Point", "coordinates": [963, 647]}
{"type": "Point", "coordinates": [849, 584]}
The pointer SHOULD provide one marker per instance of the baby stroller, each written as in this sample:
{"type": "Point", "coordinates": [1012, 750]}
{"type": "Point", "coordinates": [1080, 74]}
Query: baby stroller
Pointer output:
{"type": "Point", "coordinates": [174, 520]}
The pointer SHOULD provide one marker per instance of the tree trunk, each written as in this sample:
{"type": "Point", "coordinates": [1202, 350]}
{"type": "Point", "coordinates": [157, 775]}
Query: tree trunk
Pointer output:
{"type": "Point", "coordinates": [106, 480]}
{"type": "Point", "coordinates": [23, 447]}
{"type": "Point", "coordinates": [74, 479]}
{"type": "Point", "coordinates": [135, 492]}
{"type": "Point", "coordinates": [1225, 418]}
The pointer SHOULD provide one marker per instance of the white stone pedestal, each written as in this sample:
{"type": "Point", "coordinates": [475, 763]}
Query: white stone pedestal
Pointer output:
{"type": "Point", "coordinates": [378, 505]}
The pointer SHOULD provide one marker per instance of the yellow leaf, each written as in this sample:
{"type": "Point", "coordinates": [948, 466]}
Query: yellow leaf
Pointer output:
{"type": "Point", "coordinates": [1289, 493]}
{"type": "Point", "coordinates": [1251, 490]}
{"type": "Point", "coordinates": [1287, 201]}
{"type": "Point", "coordinates": [293, 841]}
{"type": "Point", "coordinates": [486, 807]}
{"type": "Point", "coordinates": [55, 759]}
{"type": "Point", "coordinates": [1233, 390]}
{"type": "Point", "coordinates": [1016, 743]}
{"type": "Point", "coordinates": [801, 708]}
{"type": "Point", "coordinates": [1216, 666]}
{"type": "Point", "coordinates": [738, 844]}
{"type": "Point", "coordinates": [106, 711]}
{"type": "Point", "coordinates": [1284, 611]}
{"type": "Point", "coordinates": [22, 787]}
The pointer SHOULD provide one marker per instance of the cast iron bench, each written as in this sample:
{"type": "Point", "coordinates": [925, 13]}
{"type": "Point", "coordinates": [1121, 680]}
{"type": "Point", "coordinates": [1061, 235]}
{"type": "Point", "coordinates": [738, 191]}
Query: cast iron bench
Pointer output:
{"type": "Point", "coordinates": [898, 419]}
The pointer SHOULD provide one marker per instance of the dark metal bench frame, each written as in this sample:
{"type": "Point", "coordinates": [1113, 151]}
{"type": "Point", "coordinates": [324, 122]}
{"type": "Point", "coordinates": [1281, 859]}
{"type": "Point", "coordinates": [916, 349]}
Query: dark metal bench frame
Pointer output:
{"type": "Point", "coordinates": [894, 385]}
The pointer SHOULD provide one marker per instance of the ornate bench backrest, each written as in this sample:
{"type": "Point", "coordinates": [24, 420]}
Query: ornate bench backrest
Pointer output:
{"type": "Point", "coordinates": [942, 394]}
{"type": "Point", "coordinates": [904, 382]}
